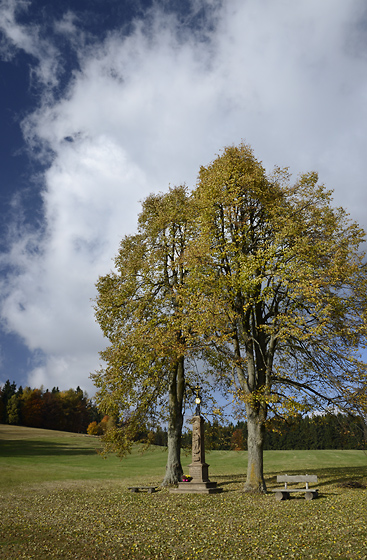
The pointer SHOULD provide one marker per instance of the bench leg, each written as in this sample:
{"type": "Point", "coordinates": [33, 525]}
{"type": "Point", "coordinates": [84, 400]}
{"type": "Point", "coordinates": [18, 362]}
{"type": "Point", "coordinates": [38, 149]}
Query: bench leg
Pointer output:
{"type": "Point", "coordinates": [281, 495]}
{"type": "Point", "coordinates": [311, 495]}
{"type": "Point", "coordinates": [151, 490]}
{"type": "Point", "coordinates": [134, 490]}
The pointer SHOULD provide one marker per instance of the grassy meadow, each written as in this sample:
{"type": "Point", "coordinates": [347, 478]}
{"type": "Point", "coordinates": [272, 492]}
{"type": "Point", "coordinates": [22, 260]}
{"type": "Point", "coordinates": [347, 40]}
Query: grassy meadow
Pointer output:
{"type": "Point", "coordinates": [60, 499]}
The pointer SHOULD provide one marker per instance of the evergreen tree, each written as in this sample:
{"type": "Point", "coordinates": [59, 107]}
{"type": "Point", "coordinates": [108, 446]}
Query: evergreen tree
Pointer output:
{"type": "Point", "coordinates": [6, 392]}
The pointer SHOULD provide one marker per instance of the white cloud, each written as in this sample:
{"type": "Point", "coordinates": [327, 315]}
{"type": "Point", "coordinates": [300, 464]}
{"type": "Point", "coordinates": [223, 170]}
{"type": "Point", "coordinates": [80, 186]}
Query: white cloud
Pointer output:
{"type": "Point", "coordinates": [29, 39]}
{"type": "Point", "coordinates": [146, 110]}
{"type": "Point", "coordinates": [64, 372]}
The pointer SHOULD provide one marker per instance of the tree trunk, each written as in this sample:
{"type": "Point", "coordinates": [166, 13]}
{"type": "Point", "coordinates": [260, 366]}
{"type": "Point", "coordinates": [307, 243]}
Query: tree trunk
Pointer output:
{"type": "Point", "coordinates": [176, 390]}
{"type": "Point", "coordinates": [255, 442]}
{"type": "Point", "coordinates": [173, 468]}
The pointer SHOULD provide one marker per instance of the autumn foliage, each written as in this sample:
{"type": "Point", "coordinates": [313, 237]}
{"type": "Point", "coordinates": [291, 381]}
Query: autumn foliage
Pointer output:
{"type": "Point", "coordinates": [257, 275]}
{"type": "Point", "coordinates": [69, 411]}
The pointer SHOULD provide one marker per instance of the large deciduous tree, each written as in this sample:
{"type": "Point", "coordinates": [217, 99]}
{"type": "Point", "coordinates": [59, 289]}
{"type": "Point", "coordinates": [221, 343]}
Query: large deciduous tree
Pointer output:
{"type": "Point", "coordinates": [265, 275]}
{"type": "Point", "coordinates": [139, 312]}
{"type": "Point", "coordinates": [276, 290]}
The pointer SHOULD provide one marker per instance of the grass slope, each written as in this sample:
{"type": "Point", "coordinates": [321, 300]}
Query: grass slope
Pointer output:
{"type": "Point", "coordinates": [60, 500]}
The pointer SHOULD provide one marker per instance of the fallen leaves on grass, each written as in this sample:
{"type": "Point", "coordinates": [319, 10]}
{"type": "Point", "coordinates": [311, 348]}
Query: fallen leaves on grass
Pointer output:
{"type": "Point", "coordinates": [351, 484]}
{"type": "Point", "coordinates": [106, 521]}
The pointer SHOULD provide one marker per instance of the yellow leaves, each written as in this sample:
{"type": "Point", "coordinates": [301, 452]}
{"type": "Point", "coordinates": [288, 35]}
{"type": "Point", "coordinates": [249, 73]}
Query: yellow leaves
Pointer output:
{"type": "Point", "coordinates": [280, 262]}
{"type": "Point", "coordinates": [290, 406]}
{"type": "Point", "coordinates": [217, 412]}
{"type": "Point", "coordinates": [261, 396]}
{"type": "Point", "coordinates": [256, 270]}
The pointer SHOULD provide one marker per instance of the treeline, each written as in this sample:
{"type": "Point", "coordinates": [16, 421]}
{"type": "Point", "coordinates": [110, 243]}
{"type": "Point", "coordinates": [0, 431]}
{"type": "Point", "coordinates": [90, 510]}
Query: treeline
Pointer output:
{"type": "Point", "coordinates": [70, 411]}
{"type": "Point", "coordinates": [73, 411]}
{"type": "Point", "coordinates": [328, 431]}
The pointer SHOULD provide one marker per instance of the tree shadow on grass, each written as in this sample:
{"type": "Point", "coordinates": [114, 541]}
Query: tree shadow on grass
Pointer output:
{"type": "Point", "coordinates": [32, 448]}
{"type": "Point", "coordinates": [223, 484]}
{"type": "Point", "coordinates": [226, 480]}
{"type": "Point", "coordinates": [327, 475]}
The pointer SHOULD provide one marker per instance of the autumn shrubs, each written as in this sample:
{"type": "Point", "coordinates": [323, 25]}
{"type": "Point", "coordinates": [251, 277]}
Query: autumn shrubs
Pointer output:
{"type": "Point", "coordinates": [100, 428]}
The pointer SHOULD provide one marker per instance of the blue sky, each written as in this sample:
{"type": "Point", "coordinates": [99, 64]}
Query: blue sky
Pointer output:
{"type": "Point", "coordinates": [105, 101]}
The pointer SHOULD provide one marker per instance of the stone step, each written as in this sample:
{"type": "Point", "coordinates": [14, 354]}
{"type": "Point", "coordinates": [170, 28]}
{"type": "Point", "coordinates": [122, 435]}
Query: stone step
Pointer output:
{"type": "Point", "coordinates": [197, 488]}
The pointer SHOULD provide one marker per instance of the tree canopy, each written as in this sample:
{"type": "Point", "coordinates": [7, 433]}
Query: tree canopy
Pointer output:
{"type": "Point", "coordinates": [139, 311]}
{"type": "Point", "coordinates": [278, 290]}
{"type": "Point", "coordinates": [268, 283]}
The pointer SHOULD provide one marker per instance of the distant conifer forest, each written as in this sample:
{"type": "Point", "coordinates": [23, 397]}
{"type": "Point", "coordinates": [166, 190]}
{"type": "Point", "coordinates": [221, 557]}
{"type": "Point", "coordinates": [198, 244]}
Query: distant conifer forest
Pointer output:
{"type": "Point", "coordinates": [73, 411]}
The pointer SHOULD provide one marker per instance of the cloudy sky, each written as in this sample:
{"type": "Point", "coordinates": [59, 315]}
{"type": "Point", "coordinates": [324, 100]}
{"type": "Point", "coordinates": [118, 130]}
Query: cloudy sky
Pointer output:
{"type": "Point", "coordinates": [105, 101]}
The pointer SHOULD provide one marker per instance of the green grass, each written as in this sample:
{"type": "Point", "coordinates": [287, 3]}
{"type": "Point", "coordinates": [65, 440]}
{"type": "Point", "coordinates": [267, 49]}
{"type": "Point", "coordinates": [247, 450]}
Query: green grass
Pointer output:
{"type": "Point", "coordinates": [60, 500]}
{"type": "Point", "coordinates": [42, 455]}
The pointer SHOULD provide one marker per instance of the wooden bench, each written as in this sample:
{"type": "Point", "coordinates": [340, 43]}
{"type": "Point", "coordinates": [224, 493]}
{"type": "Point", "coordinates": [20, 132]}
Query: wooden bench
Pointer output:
{"type": "Point", "coordinates": [149, 489]}
{"type": "Point", "coordinates": [284, 493]}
